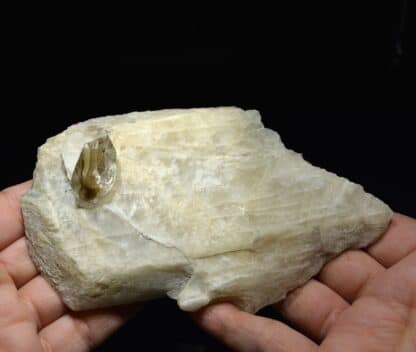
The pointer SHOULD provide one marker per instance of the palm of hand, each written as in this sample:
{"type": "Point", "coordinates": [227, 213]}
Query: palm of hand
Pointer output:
{"type": "Point", "coordinates": [32, 315]}
{"type": "Point", "coordinates": [360, 301]}
{"type": "Point", "coordinates": [382, 316]}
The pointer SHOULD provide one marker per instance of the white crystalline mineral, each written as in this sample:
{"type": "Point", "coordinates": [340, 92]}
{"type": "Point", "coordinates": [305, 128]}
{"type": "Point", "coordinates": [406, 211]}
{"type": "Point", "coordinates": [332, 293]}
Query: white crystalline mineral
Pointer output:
{"type": "Point", "coordinates": [203, 205]}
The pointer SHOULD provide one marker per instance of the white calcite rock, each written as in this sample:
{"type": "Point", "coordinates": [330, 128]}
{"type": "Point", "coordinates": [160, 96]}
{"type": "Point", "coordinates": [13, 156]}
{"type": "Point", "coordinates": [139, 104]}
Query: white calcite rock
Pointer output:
{"type": "Point", "coordinates": [203, 205]}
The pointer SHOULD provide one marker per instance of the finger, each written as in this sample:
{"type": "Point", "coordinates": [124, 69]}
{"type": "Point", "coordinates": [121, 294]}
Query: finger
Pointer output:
{"type": "Point", "coordinates": [17, 262]}
{"type": "Point", "coordinates": [349, 272]}
{"type": "Point", "coordinates": [397, 242]}
{"type": "Point", "coordinates": [8, 297]}
{"type": "Point", "coordinates": [43, 302]}
{"type": "Point", "coordinates": [246, 332]}
{"type": "Point", "coordinates": [397, 284]}
{"type": "Point", "coordinates": [81, 331]}
{"type": "Point", "coordinates": [18, 337]}
{"type": "Point", "coordinates": [11, 222]}
{"type": "Point", "coordinates": [13, 319]}
{"type": "Point", "coordinates": [313, 308]}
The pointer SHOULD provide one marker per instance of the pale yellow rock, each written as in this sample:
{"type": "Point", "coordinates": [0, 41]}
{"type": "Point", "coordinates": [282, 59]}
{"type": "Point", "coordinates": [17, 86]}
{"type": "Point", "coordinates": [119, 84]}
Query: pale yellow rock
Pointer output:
{"type": "Point", "coordinates": [200, 204]}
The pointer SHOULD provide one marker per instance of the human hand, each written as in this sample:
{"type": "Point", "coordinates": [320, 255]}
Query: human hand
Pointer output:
{"type": "Point", "coordinates": [362, 300]}
{"type": "Point", "coordinates": [32, 315]}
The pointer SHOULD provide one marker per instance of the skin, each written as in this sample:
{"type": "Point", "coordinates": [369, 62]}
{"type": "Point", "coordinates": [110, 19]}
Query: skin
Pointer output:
{"type": "Point", "coordinates": [360, 301]}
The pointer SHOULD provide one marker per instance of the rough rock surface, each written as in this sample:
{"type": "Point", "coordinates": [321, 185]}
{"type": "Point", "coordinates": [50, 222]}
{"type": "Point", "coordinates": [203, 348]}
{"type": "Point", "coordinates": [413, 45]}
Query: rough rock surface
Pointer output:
{"type": "Point", "coordinates": [203, 205]}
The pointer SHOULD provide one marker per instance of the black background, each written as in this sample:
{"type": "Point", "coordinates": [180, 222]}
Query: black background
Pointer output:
{"type": "Point", "coordinates": [334, 79]}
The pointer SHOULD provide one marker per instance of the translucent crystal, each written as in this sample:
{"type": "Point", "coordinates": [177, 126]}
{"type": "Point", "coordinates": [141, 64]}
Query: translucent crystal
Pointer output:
{"type": "Point", "coordinates": [95, 173]}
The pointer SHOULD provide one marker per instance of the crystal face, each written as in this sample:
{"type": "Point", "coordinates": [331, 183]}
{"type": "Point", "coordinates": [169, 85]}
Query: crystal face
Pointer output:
{"type": "Point", "coordinates": [201, 205]}
{"type": "Point", "coordinates": [95, 172]}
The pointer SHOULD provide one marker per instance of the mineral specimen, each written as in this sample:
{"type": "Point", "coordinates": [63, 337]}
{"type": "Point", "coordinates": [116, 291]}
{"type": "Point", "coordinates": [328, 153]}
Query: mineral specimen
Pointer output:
{"type": "Point", "coordinates": [203, 205]}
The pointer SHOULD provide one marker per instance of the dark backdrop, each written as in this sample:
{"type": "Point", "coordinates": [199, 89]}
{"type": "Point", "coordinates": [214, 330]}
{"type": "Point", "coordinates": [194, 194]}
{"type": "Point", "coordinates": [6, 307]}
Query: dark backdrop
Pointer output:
{"type": "Point", "coordinates": [333, 79]}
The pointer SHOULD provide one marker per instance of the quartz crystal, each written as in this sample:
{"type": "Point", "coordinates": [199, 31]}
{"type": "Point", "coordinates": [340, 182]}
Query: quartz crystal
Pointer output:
{"type": "Point", "coordinates": [202, 205]}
